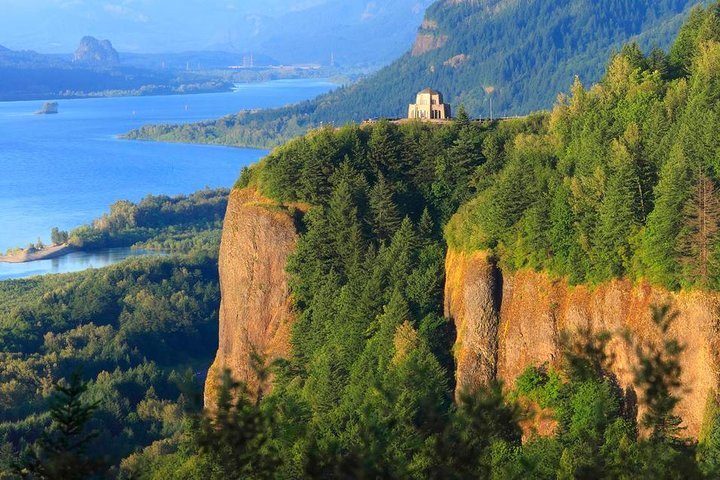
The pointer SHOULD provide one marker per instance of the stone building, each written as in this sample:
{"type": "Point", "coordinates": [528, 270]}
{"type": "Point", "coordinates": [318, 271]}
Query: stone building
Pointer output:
{"type": "Point", "coordinates": [429, 106]}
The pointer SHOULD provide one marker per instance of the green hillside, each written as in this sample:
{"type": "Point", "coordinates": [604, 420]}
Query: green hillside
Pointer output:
{"type": "Point", "coordinates": [624, 170]}
{"type": "Point", "coordinates": [526, 52]}
{"type": "Point", "coordinates": [624, 180]}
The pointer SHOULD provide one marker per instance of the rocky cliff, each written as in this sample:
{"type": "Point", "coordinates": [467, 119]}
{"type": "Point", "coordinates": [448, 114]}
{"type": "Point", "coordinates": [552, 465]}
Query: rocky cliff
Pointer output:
{"type": "Point", "coordinates": [505, 321]}
{"type": "Point", "coordinates": [255, 313]}
{"type": "Point", "coordinates": [96, 52]}
{"type": "Point", "coordinates": [509, 321]}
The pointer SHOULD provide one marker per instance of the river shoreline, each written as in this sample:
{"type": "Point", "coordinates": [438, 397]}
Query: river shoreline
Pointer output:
{"type": "Point", "coordinates": [47, 253]}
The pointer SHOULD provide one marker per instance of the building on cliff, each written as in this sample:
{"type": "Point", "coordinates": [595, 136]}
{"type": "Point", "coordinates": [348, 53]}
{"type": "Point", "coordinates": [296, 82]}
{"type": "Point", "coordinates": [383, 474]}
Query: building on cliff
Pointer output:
{"type": "Point", "coordinates": [429, 106]}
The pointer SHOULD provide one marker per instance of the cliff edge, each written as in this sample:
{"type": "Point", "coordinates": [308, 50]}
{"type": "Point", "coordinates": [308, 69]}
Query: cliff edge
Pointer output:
{"type": "Point", "coordinates": [255, 311]}
{"type": "Point", "coordinates": [507, 322]}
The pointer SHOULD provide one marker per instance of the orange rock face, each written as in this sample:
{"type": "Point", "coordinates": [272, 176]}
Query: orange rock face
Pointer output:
{"type": "Point", "coordinates": [255, 311]}
{"type": "Point", "coordinates": [427, 42]}
{"type": "Point", "coordinates": [507, 322]}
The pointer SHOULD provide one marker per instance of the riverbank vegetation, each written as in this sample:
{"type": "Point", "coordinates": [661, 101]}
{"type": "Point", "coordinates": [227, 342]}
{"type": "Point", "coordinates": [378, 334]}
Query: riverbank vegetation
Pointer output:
{"type": "Point", "coordinates": [178, 223]}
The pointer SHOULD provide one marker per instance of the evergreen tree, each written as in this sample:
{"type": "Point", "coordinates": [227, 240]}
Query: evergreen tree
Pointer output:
{"type": "Point", "coordinates": [620, 216]}
{"type": "Point", "coordinates": [384, 150]}
{"type": "Point", "coordinates": [63, 450]}
{"type": "Point", "coordinates": [660, 255]}
{"type": "Point", "coordinates": [657, 61]}
{"type": "Point", "coordinates": [699, 238]}
{"type": "Point", "coordinates": [462, 119]}
{"type": "Point", "coordinates": [386, 216]}
{"type": "Point", "coordinates": [563, 236]}
{"type": "Point", "coordinates": [237, 435]}
{"type": "Point", "coordinates": [682, 52]}
{"type": "Point", "coordinates": [344, 226]}
{"type": "Point", "coordinates": [426, 228]}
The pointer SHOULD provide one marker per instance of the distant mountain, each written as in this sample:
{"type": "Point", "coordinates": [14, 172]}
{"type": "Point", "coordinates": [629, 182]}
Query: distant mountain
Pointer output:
{"type": "Point", "coordinates": [94, 70]}
{"type": "Point", "coordinates": [96, 52]}
{"type": "Point", "coordinates": [524, 52]}
{"type": "Point", "coordinates": [358, 32]}
{"type": "Point", "coordinates": [519, 54]}
{"type": "Point", "coordinates": [343, 31]}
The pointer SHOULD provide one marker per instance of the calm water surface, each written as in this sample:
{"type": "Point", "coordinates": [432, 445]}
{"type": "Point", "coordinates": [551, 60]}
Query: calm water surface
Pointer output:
{"type": "Point", "coordinates": [72, 262]}
{"type": "Point", "coordinates": [64, 170]}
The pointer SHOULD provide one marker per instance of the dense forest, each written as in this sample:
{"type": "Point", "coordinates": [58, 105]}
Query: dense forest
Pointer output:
{"type": "Point", "coordinates": [622, 180]}
{"type": "Point", "coordinates": [618, 180]}
{"type": "Point", "coordinates": [470, 52]}
{"type": "Point", "coordinates": [131, 330]}
{"type": "Point", "coordinates": [140, 334]}
{"type": "Point", "coordinates": [160, 222]}
{"type": "Point", "coordinates": [368, 390]}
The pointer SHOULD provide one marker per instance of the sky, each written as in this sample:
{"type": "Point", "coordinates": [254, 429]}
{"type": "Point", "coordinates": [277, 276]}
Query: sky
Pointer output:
{"type": "Point", "coordinates": [153, 26]}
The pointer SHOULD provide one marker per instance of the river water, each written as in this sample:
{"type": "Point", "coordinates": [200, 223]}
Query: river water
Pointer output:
{"type": "Point", "coordinates": [65, 170]}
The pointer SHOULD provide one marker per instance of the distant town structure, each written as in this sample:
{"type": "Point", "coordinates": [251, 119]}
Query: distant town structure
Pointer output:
{"type": "Point", "coordinates": [429, 106]}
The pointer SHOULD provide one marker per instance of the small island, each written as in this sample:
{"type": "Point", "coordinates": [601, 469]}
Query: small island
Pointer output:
{"type": "Point", "coordinates": [48, 108]}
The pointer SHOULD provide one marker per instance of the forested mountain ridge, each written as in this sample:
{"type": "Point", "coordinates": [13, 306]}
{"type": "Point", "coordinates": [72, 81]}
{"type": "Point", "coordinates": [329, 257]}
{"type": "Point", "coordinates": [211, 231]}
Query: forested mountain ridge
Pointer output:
{"type": "Point", "coordinates": [425, 264]}
{"type": "Point", "coordinates": [520, 53]}
{"type": "Point", "coordinates": [612, 181]}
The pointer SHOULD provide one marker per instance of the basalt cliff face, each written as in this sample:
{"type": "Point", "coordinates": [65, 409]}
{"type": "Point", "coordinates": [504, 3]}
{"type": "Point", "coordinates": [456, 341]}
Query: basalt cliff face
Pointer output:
{"type": "Point", "coordinates": [505, 322]}
{"type": "Point", "coordinates": [509, 321]}
{"type": "Point", "coordinates": [255, 312]}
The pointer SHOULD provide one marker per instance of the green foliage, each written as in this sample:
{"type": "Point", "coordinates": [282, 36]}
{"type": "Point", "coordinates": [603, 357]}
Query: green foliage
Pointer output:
{"type": "Point", "coordinates": [58, 237]}
{"type": "Point", "coordinates": [708, 453]}
{"type": "Point", "coordinates": [180, 223]}
{"type": "Point", "coordinates": [621, 179]}
{"type": "Point", "coordinates": [62, 451]}
{"type": "Point", "coordinates": [615, 177]}
{"type": "Point", "coordinates": [236, 436]}
{"type": "Point", "coordinates": [133, 328]}
{"type": "Point", "coordinates": [560, 39]}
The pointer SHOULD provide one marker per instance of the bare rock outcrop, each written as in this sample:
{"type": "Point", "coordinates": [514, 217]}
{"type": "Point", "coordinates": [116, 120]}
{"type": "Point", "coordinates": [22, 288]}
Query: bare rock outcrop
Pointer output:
{"type": "Point", "coordinates": [472, 292]}
{"type": "Point", "coordinates": [96, 52]}
{"type": "Point", "coordinates": [427, 42]}
{"type": "Point", "coordinates": [255, 311]}
{"type": "Point", "coordinates": [532, 310]}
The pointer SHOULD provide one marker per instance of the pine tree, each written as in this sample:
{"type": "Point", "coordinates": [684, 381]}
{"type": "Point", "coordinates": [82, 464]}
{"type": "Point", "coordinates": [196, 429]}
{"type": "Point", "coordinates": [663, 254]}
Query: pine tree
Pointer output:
{"type": "Point", "coordinates": [62, 452]}
{"type": "Point", "coordinates": [634, 54]}
{"type": "Point", "coordinates": [462, 119]}
{"type": "Point", "coordinates": [658, 61]}
{"type": "Point", "coordinates": [659, 251]}
{"type": "Point", "coordinates": [701, 231]}
{"type": "Point", "coordinates": [620, 217]}
{"type": "Point", "coordinates": [344, 226]}
{"type": "Point", "coordinates": [386, 216]}
{"type": "Point", "coordinates": [426, 228]}
{"type": "Point", "coordinates": [563, 236]}
{"type": "Point", "coordinates": [682, 51]}
{"type": "Point", "coordinates": [400, 256]}
{"type": "Point", "coordinates": [237, 435]}
{"type": "Point", "coordinates": [384, 149]}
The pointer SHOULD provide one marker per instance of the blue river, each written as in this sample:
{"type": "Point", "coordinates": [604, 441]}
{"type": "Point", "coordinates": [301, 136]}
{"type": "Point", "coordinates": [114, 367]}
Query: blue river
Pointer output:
{"type": "Point", "coordinates": [65, 170]}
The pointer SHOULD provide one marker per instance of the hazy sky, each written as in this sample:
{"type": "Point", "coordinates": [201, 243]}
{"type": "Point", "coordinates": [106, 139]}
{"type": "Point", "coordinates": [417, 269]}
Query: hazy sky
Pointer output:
{"type": "Point", "coordinates": [143, 25]}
